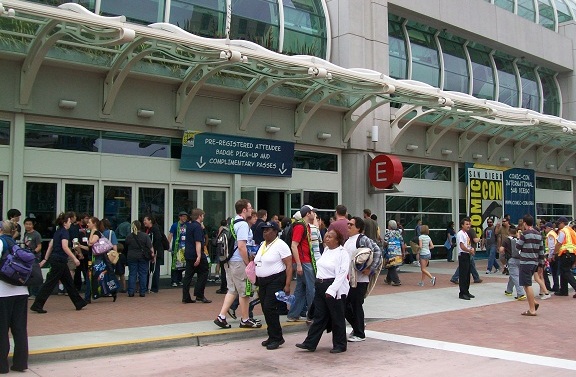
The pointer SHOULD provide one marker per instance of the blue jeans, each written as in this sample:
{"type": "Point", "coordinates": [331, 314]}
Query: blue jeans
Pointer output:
{"type": "Point", "coordinates": [492, 261]}
{"type": "Point", "coordinates": [304, 291]}
{"type": "Point", "coordinates": [137, 269]}
{"type": "Point", "coordinates": [473, 271]}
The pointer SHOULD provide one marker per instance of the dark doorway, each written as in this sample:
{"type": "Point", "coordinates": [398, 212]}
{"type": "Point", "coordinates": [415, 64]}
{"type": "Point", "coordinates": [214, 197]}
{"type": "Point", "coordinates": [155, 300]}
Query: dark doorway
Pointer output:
{"type": "Point", "coordinates": [271, 201]}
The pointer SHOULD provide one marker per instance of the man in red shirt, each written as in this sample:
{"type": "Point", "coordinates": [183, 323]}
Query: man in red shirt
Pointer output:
{"type": "Point", "coordinates": [305, 263]}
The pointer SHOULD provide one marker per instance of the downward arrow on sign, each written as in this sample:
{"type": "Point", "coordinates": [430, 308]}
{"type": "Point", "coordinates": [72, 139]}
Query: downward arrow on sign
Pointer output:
{"type": "Point", "coordinates": [282, 170]}
{"type": "Point", "coordinates": [201, 164]}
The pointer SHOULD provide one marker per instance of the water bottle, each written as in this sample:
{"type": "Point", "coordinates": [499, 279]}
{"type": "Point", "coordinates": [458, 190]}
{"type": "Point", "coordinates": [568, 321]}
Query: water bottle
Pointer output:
{"type": "Point", "coordinates": [281, 296]}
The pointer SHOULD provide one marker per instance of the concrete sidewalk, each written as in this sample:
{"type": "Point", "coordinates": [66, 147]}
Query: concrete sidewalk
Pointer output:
{"type": "Point", "coordinates": [161, 320]}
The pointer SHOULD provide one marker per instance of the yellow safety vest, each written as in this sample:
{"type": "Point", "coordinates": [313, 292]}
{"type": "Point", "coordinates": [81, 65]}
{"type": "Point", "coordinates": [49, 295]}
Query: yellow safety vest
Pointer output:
{"type": "Point", "coordinates": [553, 234]}
{"type": "Point", "coordinates": [569, 244]}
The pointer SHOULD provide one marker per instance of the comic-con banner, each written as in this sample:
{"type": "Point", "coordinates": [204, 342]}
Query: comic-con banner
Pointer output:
{"type": "Point", "coordinates": [494, 191]}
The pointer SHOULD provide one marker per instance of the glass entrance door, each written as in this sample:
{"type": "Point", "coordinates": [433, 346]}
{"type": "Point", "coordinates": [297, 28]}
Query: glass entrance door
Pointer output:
{"type": "Point", "coordinates": [294, 201]}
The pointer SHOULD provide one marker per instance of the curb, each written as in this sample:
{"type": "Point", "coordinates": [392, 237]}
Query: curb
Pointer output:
{"type": "Point", "coordinates": [148, 344]}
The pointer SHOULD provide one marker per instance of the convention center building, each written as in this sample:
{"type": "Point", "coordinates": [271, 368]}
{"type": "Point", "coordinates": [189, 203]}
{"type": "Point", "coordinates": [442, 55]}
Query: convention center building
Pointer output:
{"type": "Point", "coordinates": [428, 110]}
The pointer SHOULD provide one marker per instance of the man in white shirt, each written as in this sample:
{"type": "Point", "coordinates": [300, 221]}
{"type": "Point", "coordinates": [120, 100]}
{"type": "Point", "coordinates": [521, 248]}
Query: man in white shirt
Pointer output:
{"type": "Point", "coordinates": [354, 309]}
{"type": "Point", "coordinates": [465, 251]}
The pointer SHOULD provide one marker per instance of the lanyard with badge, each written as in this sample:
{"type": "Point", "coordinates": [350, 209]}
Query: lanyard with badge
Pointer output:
{"type": "Point", "coordinates": [264, 247]}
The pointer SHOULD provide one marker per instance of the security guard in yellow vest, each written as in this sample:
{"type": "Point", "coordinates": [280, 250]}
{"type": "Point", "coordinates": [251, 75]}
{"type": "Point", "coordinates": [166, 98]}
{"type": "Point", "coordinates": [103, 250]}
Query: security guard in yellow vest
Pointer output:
{"type": "Point", "coordinates": [565, 252]}
{"type": "Point", "coordinates": [550, 247]}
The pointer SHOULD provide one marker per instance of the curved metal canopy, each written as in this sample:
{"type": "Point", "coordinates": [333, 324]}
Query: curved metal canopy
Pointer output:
{"type": "Point", "coordinates": [69, 33]}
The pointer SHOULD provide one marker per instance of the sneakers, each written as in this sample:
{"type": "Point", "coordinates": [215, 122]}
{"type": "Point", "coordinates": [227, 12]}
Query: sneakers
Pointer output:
{"type": "Point", "coordinates": [355, 338]}
{"type": "Point", "coordinates": [250, 324]}
{"type": "Point", "coordinates": [174, 284]}
{"type": "Point", "coordinates": [520, 298]}
{"type": "Point", "coordinates": [222, 323]}
{"type": "Point", "coordinates": [488, 272]}
{"type": "Point", "coordinates": [453, 281]}
{"type": "Point", "coordinates": [421, 284]}
{"type": "Point", "coordinates": [433, 280]}
{"type": "Point", "coordinates": [478, 281]}
{"type": "Point", "coordinates": [416, 263]}
{"type": "Point", "coordinates": [497, 270]}
{"type": "Point", "coordinates": [290, 319]}
{"type": "Point", "coordinates": [394, 284]}
{"type": "Point", "coordinates": [506, 293]}
{"type": "Point", "coordinates": [545, 296]}
{"type": "Point", "coordinates": [232, 313]}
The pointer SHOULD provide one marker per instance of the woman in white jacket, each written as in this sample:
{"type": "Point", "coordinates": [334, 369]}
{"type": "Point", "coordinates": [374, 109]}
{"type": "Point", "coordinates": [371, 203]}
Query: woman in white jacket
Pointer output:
{"type": "Point", "coordinates": [331, 286]}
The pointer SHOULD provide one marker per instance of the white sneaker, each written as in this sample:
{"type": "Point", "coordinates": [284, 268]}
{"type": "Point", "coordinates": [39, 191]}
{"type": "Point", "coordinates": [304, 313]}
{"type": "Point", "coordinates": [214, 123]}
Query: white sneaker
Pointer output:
{"type": "Point", "coordinates": [545, 296]}
{"type": "Point", "coordinates": [354, 338]}
{"type": "Point", "coordinates": [174, 284]}
{"type": "Point", "coordinates": [433, 280]}
{"type": "Point", "coordinates": [421, 284]}
{"type": "Point", "coordinates": [488, 272]}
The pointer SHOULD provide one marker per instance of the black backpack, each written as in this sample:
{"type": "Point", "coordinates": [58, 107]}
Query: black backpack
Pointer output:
{"type": "Point", "coordinates": [288, 230]}
{"type": "Point", "coordinates": [225, 241]}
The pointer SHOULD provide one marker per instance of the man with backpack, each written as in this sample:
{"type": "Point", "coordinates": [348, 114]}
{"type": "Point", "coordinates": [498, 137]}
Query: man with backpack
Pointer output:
{"type": "Point", "coordinates": [303, 257]}
{"type": "Point", "coordinates": [235, 268]}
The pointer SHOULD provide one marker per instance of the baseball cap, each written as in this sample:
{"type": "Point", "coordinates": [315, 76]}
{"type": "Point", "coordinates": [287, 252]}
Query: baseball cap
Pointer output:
{"type": "Point", "coordinates": [306, 209]}
{"type": "Point", "coordinates": [562, 220]}
{"type": "Point", "coordinates": [548, 225]}
{"type": "Point", "coordinates": [182, 213]}
{"type": "Point", "coordinates": [270, 224]}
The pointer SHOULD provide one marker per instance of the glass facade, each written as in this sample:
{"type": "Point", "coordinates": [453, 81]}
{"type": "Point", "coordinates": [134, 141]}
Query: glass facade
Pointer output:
{"type": "Point", "coordinates": [548, 13]}
{"type": "Point", "coordinates": [425, 60]}
{"type": "Point", "coordinates": [397, 49]}
{"type": "Point", "coordinates": [431, 172]}
{"type": "Point", "coordinates": [466, 62]}
{"type": "Point", "coordinates": [552, 211]}
{"type": "Point", "coordinates": [530, 93]}
{"type": "Point", "coordinates": [304, 28]}
{"type": "Point", "coordinates": [507, 84]}
{"type": "Point", "coordinates": [257, 21]}
{"type": "Point", "coordinates": [86, 140]}
{"type": "Point", "coordinates": [482, 73]}
{"type": "Point", "coordinates": [151, 202]}
{"type": "Point", "coordinates": [527, 10]}
{"type": "Point", "coordinates": [4, 132]}
{"type": "Point", "coordinates": [41, 198]}
{"type": "Point", "coordinates": [206, 18]}
{"type": "Point", "coordinates": [315, 161]}
{"type": "Point", "coordinates": [455, 66]}
{"type": "Point", "coordinates": [553, 184]}
{"type": "Point", "coordinates": [118, 205]}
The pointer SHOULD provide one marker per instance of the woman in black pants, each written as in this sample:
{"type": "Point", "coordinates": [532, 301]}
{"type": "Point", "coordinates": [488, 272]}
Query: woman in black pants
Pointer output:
{"type": "Point", "coordinates": [58, 254]}
{"type": "Point", "coordinates": [273, 273]}
{"type": "Point", "coordinates": [331, 287]}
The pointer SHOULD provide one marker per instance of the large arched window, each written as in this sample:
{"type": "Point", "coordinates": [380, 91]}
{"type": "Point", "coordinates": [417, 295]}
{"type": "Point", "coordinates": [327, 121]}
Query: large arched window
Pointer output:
{"type": "Point", "coordinates": [507, 81]}
{"type": "Point", "coordinates": [546, 14]}
{"type": "Point", "coordinates": [397, 49]}
{"type": "Point", "coordinates": [505, 4]}
{"type": "Point", "coordinates": [550, 93]}
{"type": "Point", "coordinates": [527, 10]}
{"type": "Point", "coordinates": [304, 28]}
{"type": "Point", "coordinates": [146, 12]}
{"type": "Point", "coordinates": [482, 73]}
{"type": "Point", "coordinates": [206, 18]}
{"type": "Point", "coordinates": [562, 11]}
{"type": "Point", "coordinates": [257, 21]}
{"type": "Point", "coordinates": [455, 65]}
{"type": "Point", "coordinates": [425, 60]}
{"type": "Point", "coordinates": [530, 95]}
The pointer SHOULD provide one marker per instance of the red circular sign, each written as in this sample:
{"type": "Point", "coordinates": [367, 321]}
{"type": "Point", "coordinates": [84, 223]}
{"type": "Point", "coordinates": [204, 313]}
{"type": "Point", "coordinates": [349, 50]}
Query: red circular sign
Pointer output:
{"type": "Point", "coordinates": [384, 171]}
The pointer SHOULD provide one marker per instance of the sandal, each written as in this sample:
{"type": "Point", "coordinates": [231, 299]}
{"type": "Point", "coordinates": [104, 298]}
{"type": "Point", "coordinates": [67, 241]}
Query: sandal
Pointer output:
{"type": "Point", "coordinates": [527, 313]}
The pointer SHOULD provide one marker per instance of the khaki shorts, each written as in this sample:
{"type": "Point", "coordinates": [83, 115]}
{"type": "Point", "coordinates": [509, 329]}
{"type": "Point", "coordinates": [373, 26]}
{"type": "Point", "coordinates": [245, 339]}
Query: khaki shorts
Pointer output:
{"type": "Point", "coordinates": [236, 278]}
{"type": "Point", "coordinates": [71, 264]}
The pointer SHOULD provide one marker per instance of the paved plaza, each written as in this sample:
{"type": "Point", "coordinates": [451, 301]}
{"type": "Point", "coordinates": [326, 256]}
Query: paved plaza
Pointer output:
{"type": "Point", "coordinates": [411, 330]}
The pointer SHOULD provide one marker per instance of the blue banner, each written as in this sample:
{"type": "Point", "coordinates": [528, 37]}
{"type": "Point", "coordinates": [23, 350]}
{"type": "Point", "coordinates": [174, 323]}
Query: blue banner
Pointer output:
{"type": "Point", "coordinates": [519, 193]}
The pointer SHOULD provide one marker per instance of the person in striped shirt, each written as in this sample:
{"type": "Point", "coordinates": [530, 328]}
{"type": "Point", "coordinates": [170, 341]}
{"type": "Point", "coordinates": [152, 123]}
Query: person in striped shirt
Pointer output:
{"type": "Point", "coordinates": [531, 252]}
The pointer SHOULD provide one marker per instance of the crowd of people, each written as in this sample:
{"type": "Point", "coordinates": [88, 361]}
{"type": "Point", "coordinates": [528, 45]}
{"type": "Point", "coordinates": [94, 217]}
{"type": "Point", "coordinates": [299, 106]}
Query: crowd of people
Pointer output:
{"type": "Point", "coordinates": [335, 263]}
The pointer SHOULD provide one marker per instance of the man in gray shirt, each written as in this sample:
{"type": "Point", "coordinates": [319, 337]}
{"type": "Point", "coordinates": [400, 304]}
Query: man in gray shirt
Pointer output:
{"type": "Point", "coordinates": [490, 242]}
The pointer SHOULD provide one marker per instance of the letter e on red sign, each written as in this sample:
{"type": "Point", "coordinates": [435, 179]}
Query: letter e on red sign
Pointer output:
{"type": "Point", "coordinates": [384, 171]}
